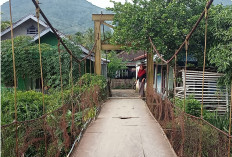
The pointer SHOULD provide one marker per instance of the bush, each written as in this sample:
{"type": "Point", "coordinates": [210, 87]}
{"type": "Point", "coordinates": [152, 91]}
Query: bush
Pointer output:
{"type": "Point", "coordinates": [219, 121]}
{"type": "Point", "coordinates": [192, 106]}
{"type": "Point", "coordinates": [30, 106]}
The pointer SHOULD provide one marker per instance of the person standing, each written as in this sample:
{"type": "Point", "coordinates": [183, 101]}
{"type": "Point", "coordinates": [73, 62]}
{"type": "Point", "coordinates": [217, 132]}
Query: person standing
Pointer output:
{"type": "Point", "coordinates": [141, 77]}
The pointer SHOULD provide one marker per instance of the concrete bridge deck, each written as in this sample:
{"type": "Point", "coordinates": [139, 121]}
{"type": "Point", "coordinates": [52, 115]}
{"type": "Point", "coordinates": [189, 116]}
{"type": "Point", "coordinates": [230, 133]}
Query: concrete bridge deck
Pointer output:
{"type": "Point", "coordinates": [124, 128]}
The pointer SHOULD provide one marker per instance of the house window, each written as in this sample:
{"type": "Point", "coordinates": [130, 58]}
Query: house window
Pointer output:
{"type": "Point", "coordinates": [32, 30]}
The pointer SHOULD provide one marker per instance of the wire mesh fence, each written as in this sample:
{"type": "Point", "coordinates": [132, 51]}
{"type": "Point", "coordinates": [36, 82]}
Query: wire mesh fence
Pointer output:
{"type": "Point", "coordinates": [54, 133]}
{"type": "Point", "coordinates": [189, 135]}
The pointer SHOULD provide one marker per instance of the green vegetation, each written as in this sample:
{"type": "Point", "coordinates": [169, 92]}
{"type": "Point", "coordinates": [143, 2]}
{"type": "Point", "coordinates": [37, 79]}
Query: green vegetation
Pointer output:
{"type": "Point", "coordinates": [29, 103]}
{"type": "Point", "coordinates": [166, 22]}
{"type": "Point", "coordinates": [193, 107]}
{"type": "Point", "coordinates": [86, 39]}
{"type": "Point", "coordinates": [220, 52]}
{"type": "Point", "coordinates": [59, 137]}
{"type": "Point", "coordinates": [28, 64]}
{"type": "Point", "coordinates": [4, 25]}
{"type": "Point", "coordinates": [29, 106]}
{"type": "Point", "coordinates": [115, 64]}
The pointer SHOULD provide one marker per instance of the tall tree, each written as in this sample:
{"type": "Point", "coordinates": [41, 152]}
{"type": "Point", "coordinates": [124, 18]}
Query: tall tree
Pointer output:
{"type": "Point", "coordinates": [166, 22]}
{"type": "Point", "coordinates": [86, 39]}
{"type": "Point", "coordinates": [220, 53]}
{"type": "Point", "coordinates": [115, 64]}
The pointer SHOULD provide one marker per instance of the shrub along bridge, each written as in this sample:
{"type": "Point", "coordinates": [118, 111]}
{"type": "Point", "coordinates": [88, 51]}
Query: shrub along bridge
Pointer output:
{"type": "Point", "coordinates": [122, 126]}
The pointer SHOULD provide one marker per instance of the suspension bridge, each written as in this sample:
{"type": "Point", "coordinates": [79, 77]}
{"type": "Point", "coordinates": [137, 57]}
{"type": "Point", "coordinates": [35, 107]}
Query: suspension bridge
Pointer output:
{"type": "Point", "coordinates": [122, 125]}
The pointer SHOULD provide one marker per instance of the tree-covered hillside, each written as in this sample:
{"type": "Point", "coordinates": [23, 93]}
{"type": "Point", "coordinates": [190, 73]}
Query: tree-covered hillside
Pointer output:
{"type": "Point", "coordinates": [69, 16]}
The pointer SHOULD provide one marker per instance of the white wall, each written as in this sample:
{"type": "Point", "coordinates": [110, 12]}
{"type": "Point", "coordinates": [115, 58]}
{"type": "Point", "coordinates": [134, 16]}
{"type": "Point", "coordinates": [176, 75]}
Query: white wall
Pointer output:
{"type": "Point", "coordinates": [158, 77]}
{"type": "Point", "coordinates": [22, 29]}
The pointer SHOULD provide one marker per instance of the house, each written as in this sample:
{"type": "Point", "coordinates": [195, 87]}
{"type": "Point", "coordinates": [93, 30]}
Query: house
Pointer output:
{"type": "Point", "coordinates": [130, 59]}
{"type": "Point", "coordinates": [28, 26]}
{"type": "Point", "coordinates": [215, 98]}
{"type": "Point", "coordinates": [160, 74]}
{"type": "Point", "coordinates": [91, 59]}
{"type": "Point", "coordinates": [125, 78]}
{"type": "Point", "coordinates": [25, 26]}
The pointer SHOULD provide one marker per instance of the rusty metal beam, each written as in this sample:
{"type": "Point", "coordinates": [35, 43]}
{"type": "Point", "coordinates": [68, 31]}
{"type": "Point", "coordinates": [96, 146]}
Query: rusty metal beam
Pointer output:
{"type": "Point", "coordinates": [54, 31]}
{"type": "Point", "coordinates": [110, 47]}
{"type": "Point", "coordinates": [191, 32]}
{"type": "Point", "coordinates": [104, 23]}
{"type": "Point", "coordinates": [102, 17]}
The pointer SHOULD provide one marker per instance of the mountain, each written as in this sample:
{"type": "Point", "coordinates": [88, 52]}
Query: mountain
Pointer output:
{"type": "Point", "coordinates": [68, 16]}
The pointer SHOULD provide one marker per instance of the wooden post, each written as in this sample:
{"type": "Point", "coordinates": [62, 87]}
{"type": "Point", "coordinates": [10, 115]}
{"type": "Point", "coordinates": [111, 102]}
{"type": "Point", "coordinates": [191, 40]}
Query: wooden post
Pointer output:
{"type": "Point", "coordinates": [167, 80]}
{"type": "Point", "coordinates": [150, 77]}
{"type": "Point", "coordinates": [156, 76]}
{"type": "Point", "coordinates": [174, 76]}
{"type": "Point", "coordinates": [227, 100]}
{"type": "Point", "coordinates": [98, 20]}
{"type": "Point", "coordinates": [97, 37]}
{"type": "Point", "coordinates": [229, 145]}
{"type": "Point", "coordinates": [161, 77]}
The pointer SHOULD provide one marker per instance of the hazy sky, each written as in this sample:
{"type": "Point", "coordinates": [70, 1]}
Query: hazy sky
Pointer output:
{"type": "Point", "coordinates": [104, 3]}
{"type": "Point", "coordinates": [2, 1]}
{"type": "Point", "coordinates": [100, 3]}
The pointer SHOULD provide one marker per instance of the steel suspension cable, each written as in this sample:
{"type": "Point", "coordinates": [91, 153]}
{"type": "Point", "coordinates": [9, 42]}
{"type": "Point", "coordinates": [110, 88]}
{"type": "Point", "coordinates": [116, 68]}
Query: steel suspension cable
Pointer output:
{"type": "Point", "coordinates": [157, 52]}
{"type": "Point", "coordinates": [71, 80]}
{"type": "Point", "coordinates": [40, 57]}
{"type": "Point", "coordinates": [64, 126]}
{"type": "Point", "coordinates": [79, 65]}
{"type": "Point", "coordinates": [90, 71]}
{"type": "Point", "coordinates": [85, 67]}
{"type": "Point", "coordinates": [187, 37]}
{"type": "Point", "coordinates": [203, 81]}
{"type": "Point", "coordinates": [183, 112]}
{"type": "Point", "coordinates": [162, 77]}
{"type": "Point", "coordinates": [193, 29]}
{"type": "Point", "coordinates": [54, 31]}
{"type": "Point", "coordinates": [41, 75]}
{"type": "Point", "coordinates": [105, 51]}
{"type": "Point", "coordinates": [15, 82]}
{"type": "Point", "coordinates": [174, 74]}
{"type": "Point", "coordinates": [61, 81]}
{"type": "Point", "coordinates": [185, 70]}
{"type": "Point", "coordinates": [167, 80]}
{"type": "Point", "coordinates": [229, 145]}
{"type": "Point", "coordinates": [90, 52]}
{"type": "Point", "coordinates": [156, 73]}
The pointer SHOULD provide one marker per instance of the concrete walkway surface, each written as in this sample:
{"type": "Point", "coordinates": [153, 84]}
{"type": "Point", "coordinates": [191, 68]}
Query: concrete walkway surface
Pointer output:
{"type": "Point", "coordinates": [124, 128]}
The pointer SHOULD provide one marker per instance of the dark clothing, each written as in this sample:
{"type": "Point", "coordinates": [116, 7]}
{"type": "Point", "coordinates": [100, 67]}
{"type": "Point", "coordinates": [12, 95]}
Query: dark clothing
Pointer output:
{"type": "Point", "coordinates": [141, 75]}
{"type": "Point", "coordinates": [141, 78]}
{"type": "Point", "coordinates": [141, 89]}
